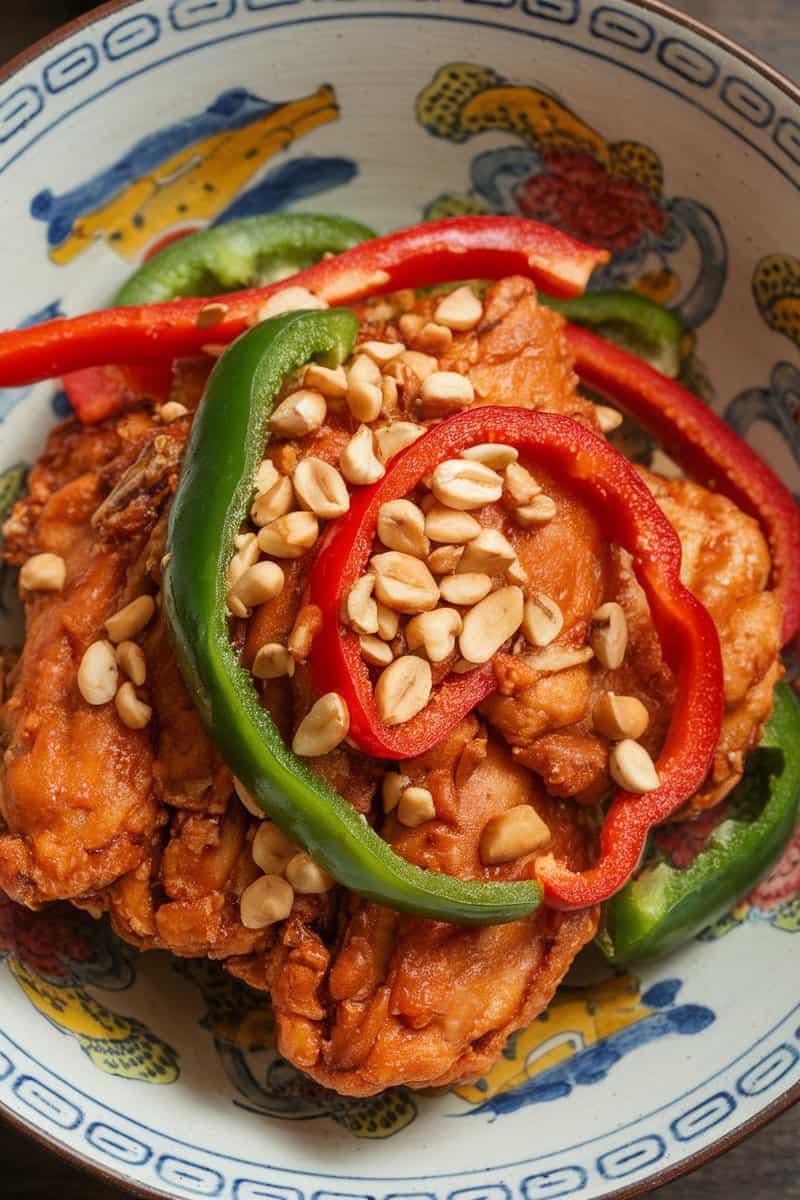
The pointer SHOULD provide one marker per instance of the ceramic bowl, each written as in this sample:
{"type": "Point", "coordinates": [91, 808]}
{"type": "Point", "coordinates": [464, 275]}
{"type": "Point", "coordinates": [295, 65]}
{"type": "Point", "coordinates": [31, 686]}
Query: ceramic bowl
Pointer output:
{"type": "Point", "coordinates": [630, 127]}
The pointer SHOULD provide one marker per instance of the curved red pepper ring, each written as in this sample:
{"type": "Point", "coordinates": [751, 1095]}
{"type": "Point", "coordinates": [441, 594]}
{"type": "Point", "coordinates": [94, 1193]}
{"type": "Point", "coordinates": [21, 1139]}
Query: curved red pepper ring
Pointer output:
{"type": "Point", "coordinates": [629, 516]}
{"type": "Point", "coordinates": [480, 247]}
{"type": "Point", "coordinates": [708, 449]}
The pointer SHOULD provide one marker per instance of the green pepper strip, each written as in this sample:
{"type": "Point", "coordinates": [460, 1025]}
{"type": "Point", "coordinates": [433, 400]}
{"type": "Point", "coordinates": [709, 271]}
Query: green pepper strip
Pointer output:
{"type": "Point", "coordinates": [631, 321]}
{"type": "Point", "coordinates": [252, 251]}
{"type": "Point", "coordinates": [213, 498]}
{"type": "Point", "coordinates": [665, 907]}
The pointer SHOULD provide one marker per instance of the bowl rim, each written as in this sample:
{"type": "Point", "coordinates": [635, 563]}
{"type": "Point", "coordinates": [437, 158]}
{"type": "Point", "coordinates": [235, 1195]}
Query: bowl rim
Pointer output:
{"type": "Point", "coordinates": [791, 1096]}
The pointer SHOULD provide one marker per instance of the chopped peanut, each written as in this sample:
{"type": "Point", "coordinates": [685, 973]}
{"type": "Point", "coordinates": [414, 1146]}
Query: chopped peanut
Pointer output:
{"type": "Point", "coordinates": [403, 689]}
{"type": "Point", "coordinates": [510, 835]}
{"type": "Point", "coordinates": [43, 573]}
{"type": "Point", "coordinates": [323, 728]}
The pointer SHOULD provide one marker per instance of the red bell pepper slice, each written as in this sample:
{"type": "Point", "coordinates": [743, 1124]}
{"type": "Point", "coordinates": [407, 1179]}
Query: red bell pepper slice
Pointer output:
{"type": "Point", "coordinates": [432, 253]}
{"type": "Point", "coordinates": [98, 392]}
{"type": "Point", "coordinates": [630, 516]}
{"type": "Point", "coordinates": [707, 449]}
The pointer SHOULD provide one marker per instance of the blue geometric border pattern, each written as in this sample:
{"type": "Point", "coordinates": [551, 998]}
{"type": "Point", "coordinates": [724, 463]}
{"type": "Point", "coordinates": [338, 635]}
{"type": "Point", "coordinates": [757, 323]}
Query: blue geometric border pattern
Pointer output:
{"type": "Point", "coordinates": [674, 60]}
{"type": "Point", "coordinates": [76, 74]}
{"type": "Point", "coordinates": [149, 1158]}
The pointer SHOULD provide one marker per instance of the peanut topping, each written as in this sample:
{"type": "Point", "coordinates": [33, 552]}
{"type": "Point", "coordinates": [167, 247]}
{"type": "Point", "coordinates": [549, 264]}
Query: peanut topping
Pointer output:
{"type": "Point", "coordinates": [393, 438]}
{"type": "Point", "coordinates": [246, 555]}
{"type": "Point", "coordinates": [392, 789]}
{"type": "Point", "coordinates": [443, 524]}
{"type": "Point", "coordinates": [410, 325]}
{"type": "Point", "coordinates": [445, 392]}
{"type": "Point", "coordinates": [461, 310]}
{"type": "Point", "coordinates": [248, 800]}
{"type": "Point", "coordinates": [272, 661]}
{"type": "Point", "coordinates": [415, 807]}
{"type": "Point", "coordinates": [364, 393]}
{"type": "Point", "coordinates": [540, 511]}
{"type": "Point", "coordinates": [607, 418]}
{"type": "Point", "coordinates": [289, 536]}
{"type": "Point", "coordinates": [301, 413]}
{"type": "Point", "coordinates": [272, 849]}
{"type": "Point", "coordinates": [289, 299]}
{"type": "Point", "coordinates": [97, 674]}
{"type": "Point", "coordinates": [131, 661]}
{"type": "Point", "coordinates": [388, 623]}
{"type": "Point", "coordinates": [266, 476]}
{"type": "Point", "coordinates": [422, 365]}
{"type": "Point", "coordinates": [445, 559]}
{"type": "Point", "coordinates": [132, 711]}
{"type": "Point", "coordinates": [490, 623]}
{"type": "Point", "coordinates": [632, 767]}
{"type": "Point", "coordinates": [382, 352]}
{"type": "Point", "coordinates": [401, 526]}
{"type": "Point", "coordinates": [435, 633]}
{"type": "Point", "coordinates": [323, 728]}
{"type": "Point", "coordinates": [307, 625]}
{"type": "Point", "coordinates": [131, 619]}
{"type": "Point", "coordinates": [521, 487]}
{"type": "Point", "coordinates": [490, 552]}
{"type": "Point", "coordinates": [358, 461]}
{"type": "Point", "coordinates": [374, 651]}
{"type": "Point", "coordinates": [510, 835]}
{"type": "Point", "coordinates": [43, 573]}
{"type": "Point", "coordinates": [172, 411]}
{"type": "Point", "coordinates": [492, 454]}
{"type": "Point", "coordinates": [465, 589]}
{"type": "Point", "coordinates": [307, 877]}
{"type": "Point", "coordinates": [516, 573]}
{"type": "Point", "coordinates": [559, 658]}
{"type": "Point", "coordinates": [360, 609]}
{"type": "Point", "coordinates": [266, 902]}
{"type": "Point", "coordinates": [619, 717]}
{"type": "Point", "coordinates": [211, 314]}
{"type": "Point", "coordinates": [542, 620]}
{"type": "Point", "coordinates": [465, 485]}
{"type": "Point", "coordinates": [320, 488]}
{"type": "Point", "coordinates": [403, 689]}
{"type": "Point", "coordinates": [330, 381]}
{"type": "Point", "coordinates": [260, 583]}
{"type": "Point", "coordinates": [403, 582]}
{"type": "Point", "coordinates": [275, 502]}
{"type": "Point", "coordinates": [608, 635]}
{"type": "Point", "coordinates": [433, 339]}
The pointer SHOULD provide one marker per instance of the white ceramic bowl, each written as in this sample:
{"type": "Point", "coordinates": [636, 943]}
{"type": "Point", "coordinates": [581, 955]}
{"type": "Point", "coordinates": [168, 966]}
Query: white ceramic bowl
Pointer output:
{"type": "Point", "coordinates": [629, 125]}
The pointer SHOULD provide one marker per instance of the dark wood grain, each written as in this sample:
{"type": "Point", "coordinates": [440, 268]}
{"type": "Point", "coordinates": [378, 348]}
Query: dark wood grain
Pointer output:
{"type": "Point", "coordinates": [764, 1167]}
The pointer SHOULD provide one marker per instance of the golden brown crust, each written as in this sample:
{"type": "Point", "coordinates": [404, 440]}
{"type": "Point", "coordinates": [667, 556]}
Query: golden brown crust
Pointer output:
{"type": "Point", "coordinates": [145, 825]}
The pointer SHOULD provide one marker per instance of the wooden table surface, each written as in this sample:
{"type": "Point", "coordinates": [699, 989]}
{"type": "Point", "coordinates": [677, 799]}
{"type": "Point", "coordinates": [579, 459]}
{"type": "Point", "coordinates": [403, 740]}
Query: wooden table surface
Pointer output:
{"type": "Point", "coordinates": [765, 1165]}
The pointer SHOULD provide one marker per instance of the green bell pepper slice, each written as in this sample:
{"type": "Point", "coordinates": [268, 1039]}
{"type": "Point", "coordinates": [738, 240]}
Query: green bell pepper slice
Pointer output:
{"type": "Point", "coordinates": [639, 325]}
{"type": "Point", "coordinates": [664, 907]}
{"type": "Point", "coordinates": [251, 251]}
{"type": "Point", "coordinates": [213, 498]}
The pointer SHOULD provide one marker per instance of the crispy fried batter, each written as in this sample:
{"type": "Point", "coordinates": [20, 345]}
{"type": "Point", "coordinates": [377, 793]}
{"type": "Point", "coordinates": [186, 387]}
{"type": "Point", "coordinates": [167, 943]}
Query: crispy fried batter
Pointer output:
{"type": "Point", "coordinates": [145, 824]}
{"type": "Point", "coordinates": [547, 717]}
{"type": "Point", "coordinates": [402, 1000]}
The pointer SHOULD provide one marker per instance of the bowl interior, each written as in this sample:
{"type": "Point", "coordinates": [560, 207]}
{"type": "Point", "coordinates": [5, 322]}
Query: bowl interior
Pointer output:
{"type": "Point", "coordinates": [629, 129]}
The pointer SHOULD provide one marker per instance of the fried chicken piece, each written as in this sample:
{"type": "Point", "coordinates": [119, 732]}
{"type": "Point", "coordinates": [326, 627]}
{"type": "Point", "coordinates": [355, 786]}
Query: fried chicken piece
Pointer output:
{"type": "Point", "coordinates": [77, 797]}
{"type": "Point", "coordinates": [547, 717]}
{"type": "Point", "coordinates": [400, 1000]}
{"type": "Point", "coordinates": [145, 824]}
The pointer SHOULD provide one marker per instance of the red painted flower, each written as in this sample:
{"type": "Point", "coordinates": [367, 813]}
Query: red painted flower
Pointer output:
{"type": "Point", "coordinates": [681, 842]}
{"type": "Point", "coordinates": [47, 942]}
{"type": "Point", "coordinates": [784, 881]}
{"type": "Point", "coordinates": [577, 194]}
